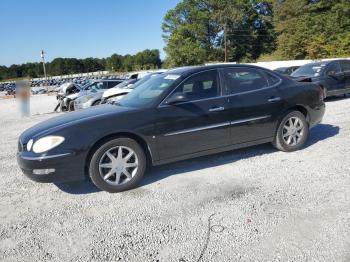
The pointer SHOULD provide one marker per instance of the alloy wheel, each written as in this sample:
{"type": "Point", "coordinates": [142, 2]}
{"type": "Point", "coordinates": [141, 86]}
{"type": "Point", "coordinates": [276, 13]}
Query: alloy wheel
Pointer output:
{"type": "Point", "coordinates": [118, 165]}
{"type": "Point", "coordinates": [293, 131]}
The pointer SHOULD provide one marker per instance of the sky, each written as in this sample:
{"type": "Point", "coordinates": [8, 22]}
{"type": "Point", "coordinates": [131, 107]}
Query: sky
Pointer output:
{"type": "Point", "coordinates": [79, 28]}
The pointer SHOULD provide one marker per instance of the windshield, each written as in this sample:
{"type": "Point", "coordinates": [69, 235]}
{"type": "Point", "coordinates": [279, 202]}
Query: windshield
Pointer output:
{"type": "Point", "coordinates": [148, 91]}
{"type": "Point", "coordinates": [311, 70]}
{"type": "Point", "coordinates": [142, 80]}
{"type": "Point", "coordinates": [94, 86]}
{"type": "Point", "coordinates": [126, 83]}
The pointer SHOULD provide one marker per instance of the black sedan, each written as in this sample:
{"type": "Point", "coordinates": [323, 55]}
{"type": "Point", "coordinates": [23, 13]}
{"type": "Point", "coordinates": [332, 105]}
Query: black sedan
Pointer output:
{"type": "Point", "coordinates": [183, 113]}
{"type": "Point", "coordinates": [333, 76]}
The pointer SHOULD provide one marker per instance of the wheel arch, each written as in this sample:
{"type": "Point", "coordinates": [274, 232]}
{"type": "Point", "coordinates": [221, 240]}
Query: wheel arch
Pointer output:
{"type": "Point", "coordinates": [301, 109]}
{"type": "Point", "coordinates": [141, 141]}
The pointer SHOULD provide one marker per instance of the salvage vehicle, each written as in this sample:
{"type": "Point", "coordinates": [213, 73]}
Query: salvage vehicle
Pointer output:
{"type": "Point", "coordinates": [68, 101]}
{"type": "Point", "coordinates": [183, 113]}
{"type": "Point", "coordinates": [65, 90]}
{"type": "Point", "coordinates": [333, 76]}
{"type": "Point", "coordinates": [118, 92]}
{"type": "Point", "coordinates": [95, 98]}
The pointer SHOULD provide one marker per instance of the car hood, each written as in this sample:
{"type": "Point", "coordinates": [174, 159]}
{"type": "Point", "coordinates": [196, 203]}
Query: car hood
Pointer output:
{"type": "Point", "coordinates": [115, 91]}
{"type": "Point", "coordinates": [49, 127]}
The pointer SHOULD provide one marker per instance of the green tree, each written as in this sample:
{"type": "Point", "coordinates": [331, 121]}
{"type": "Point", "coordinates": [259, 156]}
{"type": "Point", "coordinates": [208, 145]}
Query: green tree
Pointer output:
{"type": "Point", "coordinates": [194, 31]}
{"type": "Point", "coordinates": [312, 28]}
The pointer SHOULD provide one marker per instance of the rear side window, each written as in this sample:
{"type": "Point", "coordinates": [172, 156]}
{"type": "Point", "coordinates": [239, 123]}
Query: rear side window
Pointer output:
{"type": "Point", "coordinates": [239, 80]}
{"type": "Point", "coordinates": [273, 80]}
{"type": "Point", "coordinates": [345, 65]}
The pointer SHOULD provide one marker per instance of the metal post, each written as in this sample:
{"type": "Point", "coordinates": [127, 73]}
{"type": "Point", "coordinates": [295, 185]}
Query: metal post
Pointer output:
{"type": "Point", "coordinates": [43, 58]}
{"type": "Point", "coordinates": [225, 40]}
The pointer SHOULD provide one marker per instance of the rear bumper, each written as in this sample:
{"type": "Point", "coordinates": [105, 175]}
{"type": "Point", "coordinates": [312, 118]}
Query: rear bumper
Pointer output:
{"type": "Point", "coordinates": [316, 114]}
{"type": "Point", "coordinates": [63, 167]}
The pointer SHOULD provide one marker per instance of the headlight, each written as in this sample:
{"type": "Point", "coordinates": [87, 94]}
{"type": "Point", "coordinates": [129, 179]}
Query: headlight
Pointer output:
{"type": "Point", "coordinates": [46, 143]}
{"type": "Point", "coordinates": [29, 145]}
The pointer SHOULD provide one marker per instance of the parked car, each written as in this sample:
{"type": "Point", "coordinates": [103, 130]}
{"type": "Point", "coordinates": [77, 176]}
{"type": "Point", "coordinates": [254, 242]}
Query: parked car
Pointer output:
{"type": "Point", "coordinates": [288, 70]}
{"type": "Point", "coordinates": [39, 90]}
{"type": "Point", "coordinates": [89, 89]}
{"type": "Point", "coordinates": [65, 94]}
{"type": "Point", "coordinates": [332, 76]}
{"type": "Point", "coordinates": [90, 99]}
{"type": "Point", "coordinates": [183, 113]}
{"type": "Point", "coordinates": [92, 95]}
{"type": "Point", "coordinates": [118, 92]}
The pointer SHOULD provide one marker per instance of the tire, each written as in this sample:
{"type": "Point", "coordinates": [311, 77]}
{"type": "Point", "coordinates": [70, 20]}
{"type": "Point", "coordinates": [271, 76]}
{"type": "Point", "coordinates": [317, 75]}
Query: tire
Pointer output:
{"type": "Point", "coordinates": [103, 172]}
{"type": "Point", "coordinates": [298, 136]}
{"type": "Point", "coordinates": [71, 106]}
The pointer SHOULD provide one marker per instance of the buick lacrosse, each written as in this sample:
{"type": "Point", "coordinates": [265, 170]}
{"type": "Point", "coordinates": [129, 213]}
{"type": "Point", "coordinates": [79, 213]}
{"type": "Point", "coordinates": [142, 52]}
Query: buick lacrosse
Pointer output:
{"type": "Point", "coordinates": [183, 113]}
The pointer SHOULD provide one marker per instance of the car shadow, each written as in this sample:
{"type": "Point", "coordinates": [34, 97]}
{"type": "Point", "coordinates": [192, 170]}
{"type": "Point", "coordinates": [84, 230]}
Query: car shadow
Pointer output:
{"type": "Point", "coordinates": [154, 174]}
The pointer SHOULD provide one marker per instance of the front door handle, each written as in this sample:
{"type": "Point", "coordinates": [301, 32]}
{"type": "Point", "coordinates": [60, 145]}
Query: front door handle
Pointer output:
{"type": "Point", "coordinates": [217, 109]}
{"type": "Point", "coordinates": [274, 99]}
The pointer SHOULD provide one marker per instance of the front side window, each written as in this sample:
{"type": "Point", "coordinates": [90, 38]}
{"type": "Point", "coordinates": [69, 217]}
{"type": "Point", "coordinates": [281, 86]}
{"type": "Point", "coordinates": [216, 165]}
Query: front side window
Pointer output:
{"type": "Point", "coordinates": [239, 80]}
{"type": "Point", "coordinates": [200, 86]}
{"type": "Point", "coordinates": [333, 68]}
{"type": "Point", "coordinates": [345, 66]}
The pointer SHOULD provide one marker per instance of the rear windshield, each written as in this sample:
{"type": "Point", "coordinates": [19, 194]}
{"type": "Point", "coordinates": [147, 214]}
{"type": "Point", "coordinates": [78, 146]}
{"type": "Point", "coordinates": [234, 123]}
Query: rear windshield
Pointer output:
{"type": "Point", "coordinates": [311, 70]}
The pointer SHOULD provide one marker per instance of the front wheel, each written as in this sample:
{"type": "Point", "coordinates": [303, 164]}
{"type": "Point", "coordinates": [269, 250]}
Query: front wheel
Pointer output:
{"type": "Point", "coordinates": [117, 165]}
{"type": "Point", "coordinates": [71, 106]}
{"type": "Point", "coordinates": [292, 132]}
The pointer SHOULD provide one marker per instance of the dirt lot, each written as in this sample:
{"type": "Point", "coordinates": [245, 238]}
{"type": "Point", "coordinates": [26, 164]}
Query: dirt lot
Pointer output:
{"type": "Point", "coordinates": [255, 204]}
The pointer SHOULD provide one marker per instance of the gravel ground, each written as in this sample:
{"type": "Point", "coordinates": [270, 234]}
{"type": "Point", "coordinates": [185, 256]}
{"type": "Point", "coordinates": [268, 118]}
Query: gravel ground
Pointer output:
{"type": "Point", "coordinates": [255, 204]}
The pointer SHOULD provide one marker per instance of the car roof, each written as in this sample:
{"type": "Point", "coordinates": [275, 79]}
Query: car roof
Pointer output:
{"type": "Point", "coordinates": [106, 80]}
{"type": "Point", "coordinates": [194, 69]}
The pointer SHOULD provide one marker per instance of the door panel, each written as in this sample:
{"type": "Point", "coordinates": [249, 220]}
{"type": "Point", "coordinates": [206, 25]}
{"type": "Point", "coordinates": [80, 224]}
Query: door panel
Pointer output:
{"type": "Point", "coordinates": [335, 83]}
{"type": "Point", "coordinates": [255, 103]}
{"type": "Point", "coordinates": [345, 65]}
{"type": "Point", "coordinates": [191, 127]}
{"type": "Point", "coordinates": [201, 123]}
{"type": "Point", "coordinates": [255, 115]}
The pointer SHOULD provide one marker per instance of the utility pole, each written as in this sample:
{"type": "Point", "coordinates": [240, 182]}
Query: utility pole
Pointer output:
{"type": "Point", "coordinates": [225, 40]}
{"type": "Point", "coordinates": [43, 58]}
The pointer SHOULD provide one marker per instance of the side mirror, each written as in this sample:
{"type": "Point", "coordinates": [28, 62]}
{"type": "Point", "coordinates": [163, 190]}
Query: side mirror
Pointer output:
{"type": "Point", "coordinates": [177, 98]}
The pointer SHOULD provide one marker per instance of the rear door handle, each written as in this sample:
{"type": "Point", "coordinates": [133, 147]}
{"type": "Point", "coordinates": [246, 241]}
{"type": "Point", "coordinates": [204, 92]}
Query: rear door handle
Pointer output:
{"type": "Point", "coordinates": [274, 99]}
{"type": "Point", "coordinates": [217, 109]}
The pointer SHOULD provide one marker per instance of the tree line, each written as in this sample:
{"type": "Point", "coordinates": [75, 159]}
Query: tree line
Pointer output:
{"type": "Point", "coordinates": [147, 59]}
{"type": "Point", "coordinates": [194, 31]}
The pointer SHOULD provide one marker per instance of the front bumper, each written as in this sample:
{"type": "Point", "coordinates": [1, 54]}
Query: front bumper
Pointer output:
{"type": "Point", "coordinates": [67, 167]}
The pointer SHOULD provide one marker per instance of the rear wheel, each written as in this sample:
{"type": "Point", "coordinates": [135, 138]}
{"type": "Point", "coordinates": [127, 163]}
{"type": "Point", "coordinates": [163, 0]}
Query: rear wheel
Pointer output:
{"type": "Point", "coordinates": [117, 165]}
{"type": "Point", "coordinates": [292, 132]}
